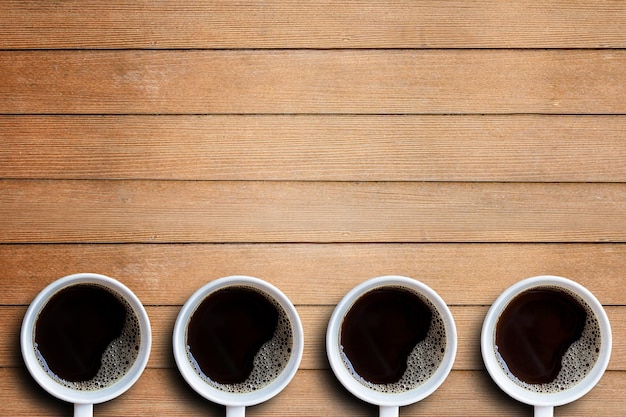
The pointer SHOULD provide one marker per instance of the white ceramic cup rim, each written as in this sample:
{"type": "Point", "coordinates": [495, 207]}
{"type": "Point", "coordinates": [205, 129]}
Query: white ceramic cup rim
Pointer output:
{"type": "Point", "coordinates": [377, 397]}
{"type": "Point", "coordinates": [509, 386]}
{"type": "Point", "coordinates": [46, 381]}
{"type": "Point", "coordinates": [232, 398]}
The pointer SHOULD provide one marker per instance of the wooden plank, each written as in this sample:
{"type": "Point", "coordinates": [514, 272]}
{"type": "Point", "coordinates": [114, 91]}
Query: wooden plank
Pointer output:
{"type": "Point", "coordinates": [468, 320]}
{"type": "Point", "coordinates": [314, 274]}
{"type": "Point", "coordinates": [313, 81]}
{"type": "Point", "coordinates": [164, 392]}
{"type": "Point", "coordinates": [192, 211]}
{"type": "Point", "coordinates": [313, 24]}
{"type": "Point", "coordinates": [329, 148]}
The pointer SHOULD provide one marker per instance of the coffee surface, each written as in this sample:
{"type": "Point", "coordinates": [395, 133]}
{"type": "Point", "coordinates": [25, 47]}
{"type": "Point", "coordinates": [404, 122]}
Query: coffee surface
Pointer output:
{"type": "Point", "coordinates": [535, 330]}
{"type": "Point", "coordinates": [227, 331]}
{"type": "Point", "coordinates": [380, 331]}
{"type": "Point", "coordinates": [86, 337]}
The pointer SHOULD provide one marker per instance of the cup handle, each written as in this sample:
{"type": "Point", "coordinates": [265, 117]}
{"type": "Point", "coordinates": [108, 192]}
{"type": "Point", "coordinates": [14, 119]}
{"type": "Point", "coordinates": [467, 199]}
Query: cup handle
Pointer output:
{"type": "Point", "coordinates": [544, 411]}
{"type": "Point", "coordinates": [83, 410]}
{"type": "Point", "coordinates": [235, 411]}
{"type": "Point", "coordinates": [388, 411]}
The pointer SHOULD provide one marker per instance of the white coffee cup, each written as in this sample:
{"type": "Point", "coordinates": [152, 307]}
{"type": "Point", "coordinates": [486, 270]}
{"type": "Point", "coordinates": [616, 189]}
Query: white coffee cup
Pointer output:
{"type": "Point", "coordinates": [236, 402]}
{"type": "Point", "coordinates": [389, 402]}
{"type": "Point", "coordinates": [544, 402]}
{"type": "Point", "coordinates": [84, 400]}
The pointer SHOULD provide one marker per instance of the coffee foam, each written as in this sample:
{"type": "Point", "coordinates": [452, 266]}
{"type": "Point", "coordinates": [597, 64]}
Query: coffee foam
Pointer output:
{"type": "Point", "coordinates": [117, 359]}
{"type": "Point", "coordinates": [577, 361]}
{"type": "Point", "coordinates": [423, 360]}
{"type": "Point", "coordinates": [268, 363]}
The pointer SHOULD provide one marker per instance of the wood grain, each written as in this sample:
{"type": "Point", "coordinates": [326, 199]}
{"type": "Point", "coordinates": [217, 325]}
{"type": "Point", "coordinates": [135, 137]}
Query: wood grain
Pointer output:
{"type": "Point", "coordinates": [174, 211]}
{"type": "Point", "coordinates": [311, 393]}
{"type": "Point", "coordinates": [316, 148]}
{"type": "Point", "coordinates": [314, 274]}
{"type": "Point", "coordinates": [313, 24]}
{"type": "Point", "coordinates": [313, 81]}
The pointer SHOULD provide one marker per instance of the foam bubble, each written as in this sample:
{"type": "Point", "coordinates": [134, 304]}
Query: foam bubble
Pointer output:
{"type": "Point", "coordinates": [423, 360]}
{"type": "Point", "coordinates": [117, 359]}
{"type": "Point", "coordinates": [577, 361]}
{"type": "Point", "coordinates": [268, 363]}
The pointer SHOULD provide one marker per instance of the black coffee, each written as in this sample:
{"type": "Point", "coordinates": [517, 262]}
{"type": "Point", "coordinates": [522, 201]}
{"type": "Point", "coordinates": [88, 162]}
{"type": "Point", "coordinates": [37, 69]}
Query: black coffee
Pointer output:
{"type": "Point", "coordinates": [547, 338]}
{"type": "Point", "coordinates": [86, 337]}
{"type": "Point", "coordinates": [238, 339]}
{"type": "Point", "coordinates": [392, 339]}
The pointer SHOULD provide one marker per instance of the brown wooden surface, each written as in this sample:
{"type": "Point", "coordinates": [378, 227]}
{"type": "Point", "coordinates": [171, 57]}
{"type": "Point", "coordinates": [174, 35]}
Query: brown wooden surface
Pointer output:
{"type": "Point", "coordinates": [468, 144]}
{"type": "Point", "coordinates": [313, 81]}
{"type": "Point", "coordinates": [313, 24]}
{"type": "Point", "coordinates": [314, 211]}
{"type": "Point", "coordinates": [536, 148]}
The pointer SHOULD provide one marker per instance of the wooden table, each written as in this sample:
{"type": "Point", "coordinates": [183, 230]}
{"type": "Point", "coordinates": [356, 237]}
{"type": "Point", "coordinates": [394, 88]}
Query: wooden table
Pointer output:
{"type": "Point", "coordinates": [467, 144]}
